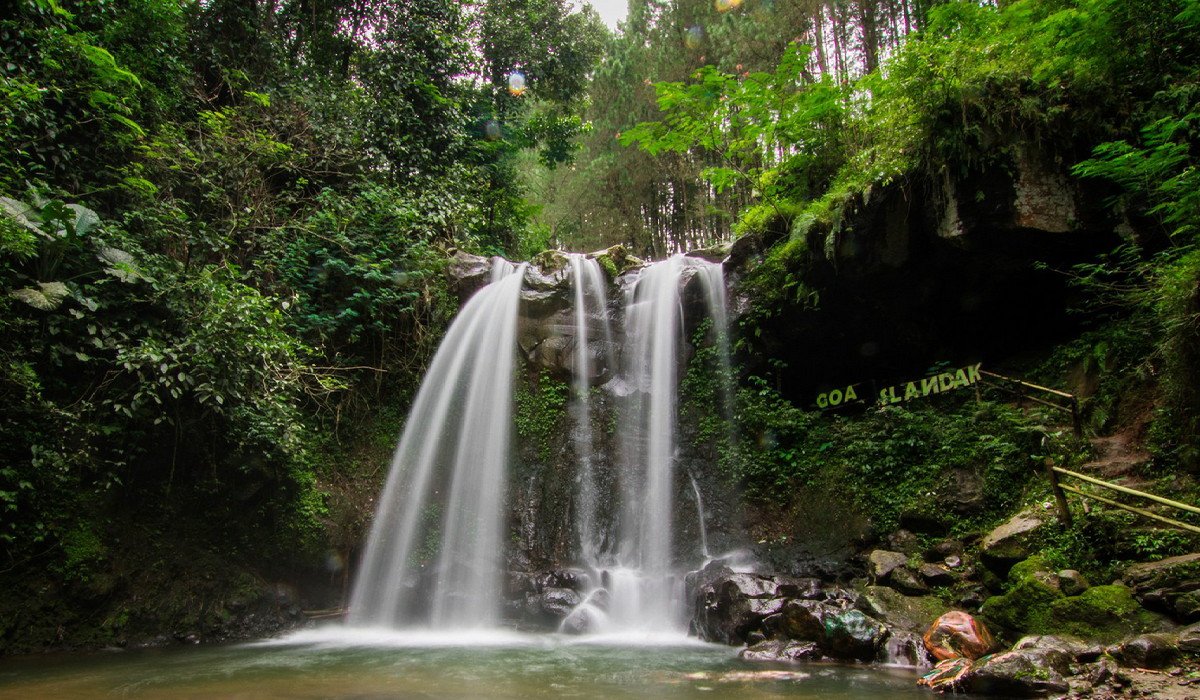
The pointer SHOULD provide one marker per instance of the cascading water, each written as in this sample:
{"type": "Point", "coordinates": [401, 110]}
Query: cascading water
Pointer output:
{"type": "Point", "coordinates": [436, 555]}
{"type": "Point", "coordinates": [444, 569]}
{"type": "Point", "coordinates": [590, 299]}
{"type": "Point", "coordinates": [641, 590]}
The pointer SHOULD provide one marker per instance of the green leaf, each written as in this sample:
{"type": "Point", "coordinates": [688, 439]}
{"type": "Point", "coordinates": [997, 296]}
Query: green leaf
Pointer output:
{"type": "Point", "coordinates": [47, 296]}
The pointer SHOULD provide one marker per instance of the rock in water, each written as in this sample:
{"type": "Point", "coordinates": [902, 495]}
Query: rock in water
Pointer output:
{"type": "Point", "coordinates": [957, 634]}
{"type": "Point", "coordinates": [852, 635]}
{"type": "Point", "coordinates": [782, 650]}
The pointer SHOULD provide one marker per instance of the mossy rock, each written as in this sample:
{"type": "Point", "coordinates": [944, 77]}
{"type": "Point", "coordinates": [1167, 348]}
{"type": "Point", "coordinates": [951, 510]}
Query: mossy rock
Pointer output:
{"type": "Point", "coordinates": [1104, 613]}
{"type": "Point", "coordinates": [616, 261]}
{"type": "Point", "coordinates": [1025, 608]}
{"type": "Point", "coordinates": [551, 261]}
{"type": "Point", "coordinates": [909, 613]}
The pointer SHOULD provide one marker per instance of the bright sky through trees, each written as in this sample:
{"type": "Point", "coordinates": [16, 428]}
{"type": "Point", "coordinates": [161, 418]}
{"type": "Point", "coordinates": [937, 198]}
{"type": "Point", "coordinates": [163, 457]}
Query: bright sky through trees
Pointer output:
{"type": "Point", "coordinates": [611, 11]}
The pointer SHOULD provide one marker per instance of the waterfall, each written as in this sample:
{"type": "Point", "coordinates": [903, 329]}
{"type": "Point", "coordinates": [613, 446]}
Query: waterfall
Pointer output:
{"type": "Point", "coordinates": [642, 591]}
{"type": "Point", "coordinates": [436, 554]}
{"type": "Point", "coordinates": [590, 301]}
{"type": "Point", "coordinates": [435, 551]}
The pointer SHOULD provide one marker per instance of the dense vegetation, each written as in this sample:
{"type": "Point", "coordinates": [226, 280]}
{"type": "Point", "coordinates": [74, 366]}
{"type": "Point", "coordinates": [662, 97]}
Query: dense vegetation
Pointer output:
{"type": "Point", "coordinates": [224, 225]}
{"type": "Point", "coordinates": [223, 230]}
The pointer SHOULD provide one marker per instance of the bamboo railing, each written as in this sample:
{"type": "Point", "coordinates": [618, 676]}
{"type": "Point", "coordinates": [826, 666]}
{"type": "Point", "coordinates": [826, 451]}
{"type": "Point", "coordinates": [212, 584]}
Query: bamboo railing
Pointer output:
{"type": "Point", "coordinates": [1065, 514]}
{"type": "Point", "coordinates": [1018, 387]}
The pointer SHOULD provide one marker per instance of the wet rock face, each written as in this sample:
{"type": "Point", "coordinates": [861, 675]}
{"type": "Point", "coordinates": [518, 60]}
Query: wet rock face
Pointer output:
{"type": "Point", "coordinates": [738, 608]}
{"type": "Point", "coordinates": [728, 606]}
{"type": "Point", "coordinates": [960, 245]}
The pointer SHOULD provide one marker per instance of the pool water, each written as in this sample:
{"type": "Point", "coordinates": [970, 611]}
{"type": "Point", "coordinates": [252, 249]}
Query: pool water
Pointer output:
{"type": "Point", "coordinates": [337, 663]}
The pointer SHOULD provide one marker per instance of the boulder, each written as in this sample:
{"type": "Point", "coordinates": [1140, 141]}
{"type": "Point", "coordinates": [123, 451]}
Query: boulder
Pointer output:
{"type": "Point", "coordinates": [934, 575]}
{"type": "Point", "coordinates": [1189, 639]}
{"type": "Point", "coordinates": [1186, 606]}
{"type": "Point", "coordinates": [1165, 573]}
{"type": "Point", "coordinates": [574, 579]}
{"type": "Point", "coordinates": [1157, 650]}
{"type": "Point", "coordinates": [901, 612]}
{"type": "Point", "coordinates": [958, 634]}
{"type": "Point", "coordinates": [742, 251]}
{"type": "Point", "coordinates": [904, 542]}
{"type": "Point", "coordinates": [729, 605]}
{"type": "Point", "coordinates": [881, 563]}
{"type": "Point", "coordinates": [852, 636]}
{"type": "Point", "coordinates": [902, 648]}
{"type": "Point", "coordinates": [781, 650]}
{"type": "Point", "coordinates": [946, 675]}
{"type": "Point", "coordinates": [942, 551]}
{"type": "Point", "coordinates": [963, 495]}
{"type": "Point", "coordinates": [559, 602]}
{"type": "Point", "coordinates": [904, 580]}
{"type": "Point", "coordinates": [806, 588]}
{"type": "Point", "coordinates": [1071, 582]}
{"type": "Point", "coordinates": [1074, 647]}
{"type": "Point", "coordinates": [1169, 586]}
{"type": "Point", "coordinates": [468, 273]}
{"type": "Point", "coordinates": [1020, 672]}
{"type": "Point", "coordinates": [581, 620]}
{"type": "Point", "coordinates": [972, 598]}
{"type": "Point", "coordinates": [1104, 613]}
{"type": "Point", "coordinates": [1011, 542]}
{"type": "Point", "coordinates": [798, 619]}
{"type": "Point", "coordinates": [1025, 608]}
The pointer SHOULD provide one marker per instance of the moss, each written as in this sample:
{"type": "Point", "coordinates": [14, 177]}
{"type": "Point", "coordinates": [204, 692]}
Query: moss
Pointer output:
{"type": "Point", "coordinates": [1026, 607]}
{"type": "Point", "coordinates": [911, 613]}
{"type": "Point", "coordinates": [1102, 613]}
{"type": "Point", "coordinates": [550, 261]}
{"type": "Point", "coordinates": [616, 261]}
{"type": "Point", "coordinates": [541, 407]}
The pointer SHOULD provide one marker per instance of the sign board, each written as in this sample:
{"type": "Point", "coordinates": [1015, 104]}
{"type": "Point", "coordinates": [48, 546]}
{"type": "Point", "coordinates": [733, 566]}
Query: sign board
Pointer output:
{"type": "Point", "coordinates": [904, 391]}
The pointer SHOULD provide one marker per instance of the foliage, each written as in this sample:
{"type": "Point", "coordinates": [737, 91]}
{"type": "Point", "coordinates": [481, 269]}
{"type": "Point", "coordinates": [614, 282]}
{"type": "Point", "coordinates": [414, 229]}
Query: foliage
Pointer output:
{"type": "Point", "coordinates": [770, 124]}
{"type": "Point", "coordinates": [889, 460]}
{"type": "Point", "coordinates": [540, 407]}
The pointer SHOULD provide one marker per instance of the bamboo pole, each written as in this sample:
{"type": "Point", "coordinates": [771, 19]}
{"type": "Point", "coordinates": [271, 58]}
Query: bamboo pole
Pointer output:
{"type": "Point", "coordinates": [1126, 489]}
{"type": "Point", "coordinates": [1031, 385]}
{"type": "Point", "coordinates": [1022, 395]}
{"type": "Point", "coordinates": [1142, 512]}
{"type": "Point", "coordinates": [1064, 512]}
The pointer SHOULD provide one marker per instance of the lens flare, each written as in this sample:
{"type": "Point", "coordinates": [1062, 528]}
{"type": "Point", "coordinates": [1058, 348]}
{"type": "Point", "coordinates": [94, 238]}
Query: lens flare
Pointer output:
{"type": "Point", "coordinates": [693, 37]}
{"type": "Point", "coordinates": [726, 5]}
{"type": "Point", "coordinates": [516, 83]}
{"type": "Point", "coordinates": [491, 130]}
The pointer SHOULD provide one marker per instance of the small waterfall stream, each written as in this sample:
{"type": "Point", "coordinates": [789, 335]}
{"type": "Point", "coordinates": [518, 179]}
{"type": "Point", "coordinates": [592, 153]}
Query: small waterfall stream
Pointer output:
{"type": "Point", "coordinates": [436, 556]}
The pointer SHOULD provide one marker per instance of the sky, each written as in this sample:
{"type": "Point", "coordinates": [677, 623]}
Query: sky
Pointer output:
{"type": "Point", "coordinates": [611, 11]}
